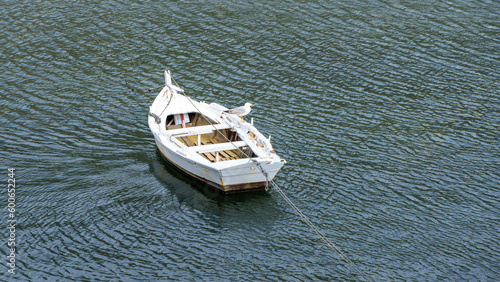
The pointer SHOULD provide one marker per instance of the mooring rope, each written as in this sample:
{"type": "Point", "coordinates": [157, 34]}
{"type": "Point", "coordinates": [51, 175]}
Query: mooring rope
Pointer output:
{"type": "Point", "coordinates": [319, 233]}
{"type": "Point", "coordinates": [289, 202]}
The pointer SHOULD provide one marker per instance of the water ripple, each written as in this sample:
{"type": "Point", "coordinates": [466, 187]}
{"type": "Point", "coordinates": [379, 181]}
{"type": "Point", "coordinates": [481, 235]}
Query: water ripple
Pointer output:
{"type": "Point", "coordinates": [387, 113]}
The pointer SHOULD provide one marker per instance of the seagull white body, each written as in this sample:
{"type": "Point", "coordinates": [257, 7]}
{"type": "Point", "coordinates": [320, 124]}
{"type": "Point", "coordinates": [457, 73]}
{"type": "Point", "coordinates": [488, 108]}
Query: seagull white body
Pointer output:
{"type": "Point", "coordinates": [240, 111]}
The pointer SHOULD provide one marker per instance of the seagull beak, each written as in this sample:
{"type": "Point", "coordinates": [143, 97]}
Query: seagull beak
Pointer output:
{"type": "Point", "coordinates": [251, 105]}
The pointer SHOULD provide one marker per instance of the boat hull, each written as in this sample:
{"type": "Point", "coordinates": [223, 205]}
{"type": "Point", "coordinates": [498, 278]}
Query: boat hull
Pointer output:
{"type": "Point", "coordinates": [239, 178]}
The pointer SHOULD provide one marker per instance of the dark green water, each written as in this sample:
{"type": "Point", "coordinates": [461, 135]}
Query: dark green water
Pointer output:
{"type": "Point", "coordinates": [388, 113]}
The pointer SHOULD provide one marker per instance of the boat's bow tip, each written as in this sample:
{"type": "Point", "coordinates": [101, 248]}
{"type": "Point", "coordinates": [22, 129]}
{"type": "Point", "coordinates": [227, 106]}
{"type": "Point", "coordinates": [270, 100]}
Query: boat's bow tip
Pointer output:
{"type": "Point", "coordinates": [168, 78]}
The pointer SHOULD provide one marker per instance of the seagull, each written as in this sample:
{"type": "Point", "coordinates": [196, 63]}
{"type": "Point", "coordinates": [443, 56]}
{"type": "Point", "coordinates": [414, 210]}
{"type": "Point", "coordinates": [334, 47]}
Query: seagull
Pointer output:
{"type": "Point", "coordinates": [240, 111]}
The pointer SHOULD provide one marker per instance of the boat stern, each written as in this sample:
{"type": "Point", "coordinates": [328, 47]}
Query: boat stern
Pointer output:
{"type": "Point", "coordinates": [249, 176]}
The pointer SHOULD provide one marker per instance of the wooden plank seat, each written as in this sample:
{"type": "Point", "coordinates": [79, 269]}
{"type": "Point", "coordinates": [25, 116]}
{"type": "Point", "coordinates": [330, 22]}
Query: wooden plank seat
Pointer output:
{"type": "Point", "coordinates": [208, 155]}
{"type": "Point", "coordinates": [206, 147]}
{"type": "Point", "coordinates": [195, 130]}
{"type": "Point", "coordinates": [214, 146]}
{"type": "Point", "coordinates": [219, 151]}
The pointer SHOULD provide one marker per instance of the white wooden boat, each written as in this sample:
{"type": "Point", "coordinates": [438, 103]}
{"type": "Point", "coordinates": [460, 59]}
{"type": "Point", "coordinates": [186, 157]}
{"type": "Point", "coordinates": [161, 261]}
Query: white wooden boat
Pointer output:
{"type": "Point", "coordinates": [218, 148]}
